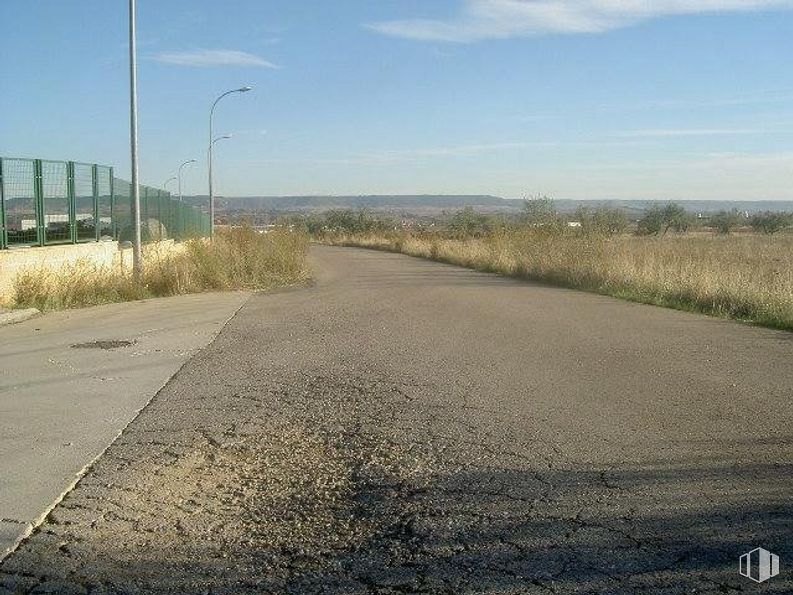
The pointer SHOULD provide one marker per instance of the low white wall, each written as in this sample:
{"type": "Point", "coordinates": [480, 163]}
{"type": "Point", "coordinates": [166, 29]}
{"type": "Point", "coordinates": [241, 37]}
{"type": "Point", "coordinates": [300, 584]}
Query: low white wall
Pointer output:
{"type": "Point", "coordinates": [14, 260]}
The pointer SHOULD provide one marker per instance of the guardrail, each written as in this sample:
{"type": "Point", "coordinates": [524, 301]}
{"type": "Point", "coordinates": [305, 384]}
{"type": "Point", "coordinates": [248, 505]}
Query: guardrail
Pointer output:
{"type": "Point", "coordinates": [46, 202]}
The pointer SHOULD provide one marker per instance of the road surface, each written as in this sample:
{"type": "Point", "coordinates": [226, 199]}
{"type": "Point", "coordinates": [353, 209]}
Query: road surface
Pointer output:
{"type": "Point", "coordinates": [403, 426]}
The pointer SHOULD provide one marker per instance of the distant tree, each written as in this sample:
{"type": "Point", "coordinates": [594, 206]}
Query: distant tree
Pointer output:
{"type": "Point", "coordinates": [657, 219]}
{"type": "Point", "coordinates": [468, 222]}
{"type": "Point", "coordinates": [770, 222]}
{"type": "Point", "coordinates": [652, 222]}
{"type": "Point", "coordinates": [602, 220]}
{"type": "Point", "coordinates": [349, 221]}
{"type": "Point", "coordinates": [342, 220]}
{"type": "Point", "coordinates": [540, 210]}
{"type": "Point", "coordinates": [725, 221]}
{"type": "Point", "coordinates": [313, 224]}
{"type": "Point", "coordinates": [676, 218]}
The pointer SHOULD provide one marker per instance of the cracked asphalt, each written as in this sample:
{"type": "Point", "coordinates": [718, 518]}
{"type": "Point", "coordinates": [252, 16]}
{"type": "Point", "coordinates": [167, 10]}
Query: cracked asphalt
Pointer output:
{"type": "Point", "coordinates": [403, 426]}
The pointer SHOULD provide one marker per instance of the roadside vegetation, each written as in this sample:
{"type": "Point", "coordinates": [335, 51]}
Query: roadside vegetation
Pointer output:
{"type": "Point", "coordinates": [724, 265]}
{"type": "Point", "coordinates": [238, 258]}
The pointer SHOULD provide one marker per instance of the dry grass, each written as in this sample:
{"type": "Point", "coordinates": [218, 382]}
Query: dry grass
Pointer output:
{"type": "Point", "coordinates": [747, 277]}
{"type": "Point", "coordinates": [238, 258]}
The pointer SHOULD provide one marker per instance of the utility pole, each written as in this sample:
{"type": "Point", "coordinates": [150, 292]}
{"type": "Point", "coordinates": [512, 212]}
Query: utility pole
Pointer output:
{"type": "Point", "coordinates": [137, 252]}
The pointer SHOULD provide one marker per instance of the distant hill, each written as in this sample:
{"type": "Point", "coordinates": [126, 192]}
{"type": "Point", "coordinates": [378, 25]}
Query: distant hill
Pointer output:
{"type": "Point", "coordinates": [441, 201]}
{"type": "Point", "coordinates": [429, 203]}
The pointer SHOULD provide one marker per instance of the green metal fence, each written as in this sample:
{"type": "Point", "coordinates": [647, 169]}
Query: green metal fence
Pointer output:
{"type": "Point", "coordinates": [58, 202]}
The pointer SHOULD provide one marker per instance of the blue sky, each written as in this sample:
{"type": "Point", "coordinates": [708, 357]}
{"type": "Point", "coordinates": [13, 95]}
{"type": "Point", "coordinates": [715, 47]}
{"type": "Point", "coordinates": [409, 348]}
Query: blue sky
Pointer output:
{"type": "Point", "coordinates": [671, 99]}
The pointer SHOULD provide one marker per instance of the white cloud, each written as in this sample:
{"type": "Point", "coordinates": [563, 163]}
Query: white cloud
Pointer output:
{"type": "Point", "coordinates": [213, 58]}
{"type": "Point", "coordinates": [675, 132]}
{"type": "Point", "coordinates": [489, 19]}
{"type": "Point", "coordinates": [455, 150]}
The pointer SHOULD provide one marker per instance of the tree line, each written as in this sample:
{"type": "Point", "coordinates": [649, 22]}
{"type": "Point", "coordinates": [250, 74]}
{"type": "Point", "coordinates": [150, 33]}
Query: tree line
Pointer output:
{"type": "Point", "coordinates": [541, 212]}
{"type": "Point", "coordinates": [656, 219]}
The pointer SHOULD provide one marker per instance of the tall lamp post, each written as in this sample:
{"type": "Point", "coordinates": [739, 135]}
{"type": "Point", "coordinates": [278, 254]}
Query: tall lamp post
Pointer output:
{"type": "Point", "coordinates": [188, 162]}
{"type": "Point", "coordinates": [137, 253]}
{"type": "Point", "coordinates": [212, 196]}
{"type": "Point", "coordinates": [209, 156]}
{"type": "Point", "coordinates": [166, 182]}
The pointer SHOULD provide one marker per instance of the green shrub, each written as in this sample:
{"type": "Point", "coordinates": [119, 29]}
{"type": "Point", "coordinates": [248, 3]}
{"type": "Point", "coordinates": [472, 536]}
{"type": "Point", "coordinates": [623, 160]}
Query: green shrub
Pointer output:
{"type": "Point", "coordinates": [602, 220]}
{"type": "Point", "coordinates": [540, 211]}
{"type": "Point", "coordinates": [725, 221]}
{"type": "Point", "coordinates": [469, 223]}
{"type": "Point", "coordinates": [770, 222]}
{"type": "Point", "coordinates": [349, 221]}
{"type": "Point", "coordinates": [657, 219]}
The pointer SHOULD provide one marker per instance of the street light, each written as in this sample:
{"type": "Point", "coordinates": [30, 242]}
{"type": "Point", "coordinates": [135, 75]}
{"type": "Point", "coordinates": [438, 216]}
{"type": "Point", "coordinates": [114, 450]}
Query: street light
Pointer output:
{"type": "Point", "coordinates": [166, 182]}
{"type": "Point", "coordinates": [224, 137]}
{"type": "Point", "coordinates": [188, 162]}
{"type": "Point", "coordinates": [137, 253]}
{"type": "Point", "coordinates": [209, 156]}
{"type": "Point", "coordinates": [212, 197]}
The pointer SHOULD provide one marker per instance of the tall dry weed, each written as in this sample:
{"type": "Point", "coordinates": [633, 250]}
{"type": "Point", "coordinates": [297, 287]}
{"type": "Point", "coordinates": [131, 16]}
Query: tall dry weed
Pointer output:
{"type": "Point", "coordinates": [237, 258]}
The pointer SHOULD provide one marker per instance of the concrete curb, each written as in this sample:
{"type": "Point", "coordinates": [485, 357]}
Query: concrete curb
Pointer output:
{"type": "Point", "coordinates": [14, 316]}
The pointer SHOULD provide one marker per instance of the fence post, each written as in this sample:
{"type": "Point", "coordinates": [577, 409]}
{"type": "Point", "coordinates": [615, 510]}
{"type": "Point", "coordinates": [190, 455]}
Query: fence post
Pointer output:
{"type": "Point", "coordinates": [144, 212]}
{"type": "Point", "coordinates": [95, 190]}
{"type": "Point", "coordinates": [3, 238]}
{"type": "Point", "coordinates": [113, 227]}
{"type": "Point", "coordinates": [72, 200]}
{"type": "Point", "coordinates": [160, 198]}
{"type": "Point", "coordinates": [174, 215]}
{"type": "Point", "coordinates": [38, 191]}
{"type": "Point", "coordinates": [177, 219]}
{"type": "Point", "coordinates": [168, 216]}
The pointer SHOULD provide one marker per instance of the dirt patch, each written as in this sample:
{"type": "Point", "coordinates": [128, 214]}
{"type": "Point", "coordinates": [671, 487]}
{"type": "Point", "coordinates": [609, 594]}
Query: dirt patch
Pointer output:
{"type": "Point", "coordinates": [106, 345]}
{"type": "Point", "coordinates": [285, 498]}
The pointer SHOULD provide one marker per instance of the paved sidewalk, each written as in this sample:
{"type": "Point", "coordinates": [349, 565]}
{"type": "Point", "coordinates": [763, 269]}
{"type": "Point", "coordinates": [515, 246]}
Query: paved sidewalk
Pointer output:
{"type": "Point", "coordinates": [71, 381]}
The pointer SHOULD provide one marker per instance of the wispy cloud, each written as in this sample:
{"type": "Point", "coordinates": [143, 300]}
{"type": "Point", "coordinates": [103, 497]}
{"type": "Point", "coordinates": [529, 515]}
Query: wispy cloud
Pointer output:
{"type": "Point", "coordinates": [676, 132]}
{"type": "Point", "coordinates": [453, 151]}
{"type": "Point", "coordinates": [392, 156]}
{"type": "Point", "coordinates": [492, 19]}
{"type": "Point", "coordinates": [213, 58]}
{"type": "Point", "coordinates": [761, 98]}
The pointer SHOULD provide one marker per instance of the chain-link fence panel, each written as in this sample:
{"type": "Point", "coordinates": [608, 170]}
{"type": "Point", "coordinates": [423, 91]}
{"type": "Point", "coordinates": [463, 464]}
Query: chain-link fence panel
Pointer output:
{"type": "Point", "coordinates": [55, 202]}
{"type": "Point", "coordinates": [84, 202]}
{"type": "Point", "coordinates": [104, 206]}
{"type": "Point", "coordinates": [19, 202]}
{"type": "Point", "coordinates": [122, 210]}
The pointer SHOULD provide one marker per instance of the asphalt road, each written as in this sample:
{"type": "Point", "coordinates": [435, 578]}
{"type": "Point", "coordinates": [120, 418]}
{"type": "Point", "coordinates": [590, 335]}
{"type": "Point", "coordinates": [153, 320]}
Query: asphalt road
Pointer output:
{"type": "Point", "coordinates": [408, 427]}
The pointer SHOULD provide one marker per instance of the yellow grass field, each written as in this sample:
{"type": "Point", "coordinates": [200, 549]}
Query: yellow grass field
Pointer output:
{"type": "Point", "coordinates": [747, 277]}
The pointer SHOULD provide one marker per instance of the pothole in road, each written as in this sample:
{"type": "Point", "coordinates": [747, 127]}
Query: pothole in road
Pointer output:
{"type": "Point", "coordinates": [109, 344]}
